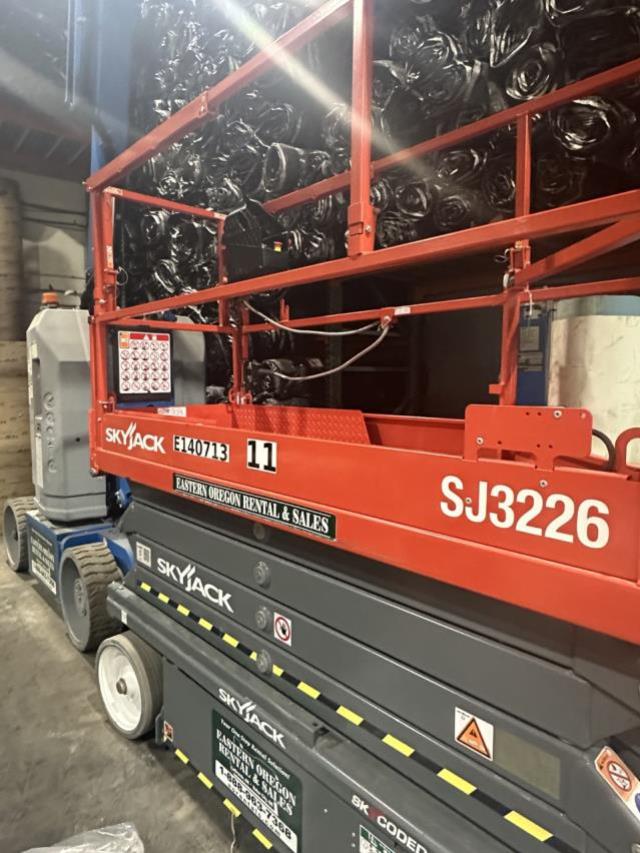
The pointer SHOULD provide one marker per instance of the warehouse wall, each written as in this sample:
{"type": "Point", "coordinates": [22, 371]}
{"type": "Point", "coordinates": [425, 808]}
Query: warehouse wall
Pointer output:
{"type": "Point", "coordinates": [54, 241]}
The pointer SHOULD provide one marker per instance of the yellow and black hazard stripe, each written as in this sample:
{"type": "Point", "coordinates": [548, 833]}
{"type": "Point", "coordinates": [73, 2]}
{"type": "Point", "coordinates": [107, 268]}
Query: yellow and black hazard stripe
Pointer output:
{"type": "Point", "coordinates": [446, 776]}
{"type": "Point", "coordinates": [209, 785]}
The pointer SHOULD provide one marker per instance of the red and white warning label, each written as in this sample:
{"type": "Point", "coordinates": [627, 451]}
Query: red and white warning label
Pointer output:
{"type": "Point", "coordinates": [282, 629]}
{"type": "Point", "coordinates": [144, 363]}
{"type": "Point", "coordinates": [620, 778]}
{"type": "Point", "coordinates": [474, 734]}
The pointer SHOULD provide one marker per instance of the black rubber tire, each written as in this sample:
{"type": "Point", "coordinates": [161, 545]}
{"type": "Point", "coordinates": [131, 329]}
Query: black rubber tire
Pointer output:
{"type": "Point", "coordinates": [14, 523]}
{"type": "Point", "coordinates": [147, 665]}
{"type": "Point", "coordinates": [85, 573]}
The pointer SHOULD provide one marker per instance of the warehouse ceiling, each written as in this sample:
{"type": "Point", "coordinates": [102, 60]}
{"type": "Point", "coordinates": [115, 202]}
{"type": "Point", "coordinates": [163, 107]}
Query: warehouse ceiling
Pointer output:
{"type": "Point", "coordinates": [38, 133]}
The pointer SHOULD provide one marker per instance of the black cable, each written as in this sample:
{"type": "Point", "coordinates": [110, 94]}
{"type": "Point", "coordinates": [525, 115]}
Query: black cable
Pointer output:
{"type": "Point", "coordinates": [611, 450]}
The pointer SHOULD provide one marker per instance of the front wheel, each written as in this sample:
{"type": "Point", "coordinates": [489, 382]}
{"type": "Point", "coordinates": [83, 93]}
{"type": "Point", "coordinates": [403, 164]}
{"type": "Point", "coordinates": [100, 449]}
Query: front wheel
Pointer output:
{"type": "Point", "coordinates": [85, 574]}
{"type": "Point", "coordinates": [130, 682]}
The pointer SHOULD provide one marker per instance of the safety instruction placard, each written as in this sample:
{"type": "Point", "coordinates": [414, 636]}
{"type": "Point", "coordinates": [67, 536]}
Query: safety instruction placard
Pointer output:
{"type": "Point", "coordinates": [262, 784]}
{"type": "Point", "coordinates": [43, 560]}
{"type": "Point", "coordinates": [620, 778]}
{"type": "Point", "coordinates": [144, 364]}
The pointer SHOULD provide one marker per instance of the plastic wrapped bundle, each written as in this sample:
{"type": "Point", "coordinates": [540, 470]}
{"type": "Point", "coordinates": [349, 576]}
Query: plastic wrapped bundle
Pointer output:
{"type": "Point", "coordinates": [461, 208]}
{"type": "Point", "coordinates": [517, 24]}
{"type": "Point", "coordinates": [394, 227]}
{"type": "Point", "coordinates": [318, 246]}
{"type": "Point", "coordinates": [460, 166]}
{"type": "Point", "coordinates": [479, 29]}
{"type": "Point", "coordinates": [562, 12]}
{"type": "Point", "coordinates": [558, 179]}
{"type": "Point", "coordinates": [593, 126]}
{"type": "Point", "coordinates": [278, 123]}
{"type": "Point", "coordinates": [284, 169]}
{"type": "Point", "coordinates": [535, 71]}
{"type": "Point", "coordinates": [594, 42]}
{"type": "Point", "coordinates": [399, 118]}
{"type": "Point", "coordinates": [245, 167]}
{"type": "Point", "coordinates": [499, 185]}
{"type": "Point", "coordinates": [336, 136]}
{"type": "Point", "coordinates": [416, 199]}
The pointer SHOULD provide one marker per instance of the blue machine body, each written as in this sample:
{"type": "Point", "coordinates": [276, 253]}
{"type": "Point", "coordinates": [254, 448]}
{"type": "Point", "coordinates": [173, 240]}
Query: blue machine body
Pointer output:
{"type": "Point", "coordinates": [47, 543]}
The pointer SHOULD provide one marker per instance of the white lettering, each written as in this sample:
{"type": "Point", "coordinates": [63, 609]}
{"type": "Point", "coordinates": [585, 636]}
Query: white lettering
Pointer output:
{"type": "Point", "coordinates": [497, 505]}
{"type": "Point", "coordinates": [131, 439]}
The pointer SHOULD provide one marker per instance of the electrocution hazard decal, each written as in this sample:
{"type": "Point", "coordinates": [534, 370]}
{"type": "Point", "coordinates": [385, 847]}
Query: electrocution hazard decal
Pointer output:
{"type": "Point", "coordinates": [319, 524]}
{"type": "Point", "coordinates": [271, 793]}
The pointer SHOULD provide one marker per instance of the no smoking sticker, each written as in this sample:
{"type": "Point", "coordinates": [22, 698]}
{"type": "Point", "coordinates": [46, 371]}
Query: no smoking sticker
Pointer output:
{"type": "Point", "coordinates": [620, 778]}
{"type": "Point", "coordinates": [282, 628]}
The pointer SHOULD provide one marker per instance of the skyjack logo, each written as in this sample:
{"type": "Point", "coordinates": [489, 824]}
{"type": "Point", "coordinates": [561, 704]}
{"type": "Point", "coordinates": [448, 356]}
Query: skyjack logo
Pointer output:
{"type": "Point", "coordinates": [131, 439]}
{"type": "Point", "coordinates": [188, 578]}
{"type": "Point", "coordinates": [247, 711]}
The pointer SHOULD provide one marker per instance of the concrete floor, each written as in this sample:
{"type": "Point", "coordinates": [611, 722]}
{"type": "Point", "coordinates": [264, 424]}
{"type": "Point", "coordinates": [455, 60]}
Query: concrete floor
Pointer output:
{"type": "Point", "coordinates": [64, 769]}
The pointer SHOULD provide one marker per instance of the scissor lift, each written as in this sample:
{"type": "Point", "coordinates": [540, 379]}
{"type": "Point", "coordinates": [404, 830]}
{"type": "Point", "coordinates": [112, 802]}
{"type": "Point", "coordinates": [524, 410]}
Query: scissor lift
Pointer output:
{"type": "Point", "coordinates": [382, 632]}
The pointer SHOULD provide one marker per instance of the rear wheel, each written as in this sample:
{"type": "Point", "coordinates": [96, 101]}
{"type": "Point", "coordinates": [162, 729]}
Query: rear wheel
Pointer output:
{"type": "Point", "coordinates": [130, 681]}
{"type": "Point", "coordinates": [85, 573]}
{"type": "Point", "coordinates": [15, 532]}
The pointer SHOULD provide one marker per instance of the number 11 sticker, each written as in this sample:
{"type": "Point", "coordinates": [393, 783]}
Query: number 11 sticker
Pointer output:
{"type": "Point", "coordinates": [262, 455]}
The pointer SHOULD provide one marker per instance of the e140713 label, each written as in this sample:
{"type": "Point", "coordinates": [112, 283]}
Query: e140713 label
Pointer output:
{"type": "Point", "coordinates": [218, 451]}
{"type": "Point", "coordinates": [506, 508]}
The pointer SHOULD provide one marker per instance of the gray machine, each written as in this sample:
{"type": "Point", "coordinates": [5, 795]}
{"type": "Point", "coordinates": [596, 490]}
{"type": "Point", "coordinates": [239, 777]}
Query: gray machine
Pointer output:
{"type": "Point", "coordinates": [341, 705]}
{"type": "Point", "coordinates": [59, 399]}
{"type": "Point", "coordinates": [68, 536]}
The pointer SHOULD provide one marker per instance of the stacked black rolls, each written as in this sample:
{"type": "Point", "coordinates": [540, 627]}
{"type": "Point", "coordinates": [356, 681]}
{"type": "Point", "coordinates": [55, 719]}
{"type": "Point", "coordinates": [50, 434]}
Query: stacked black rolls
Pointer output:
{"type": "Point", "coordinates": [439, 65]}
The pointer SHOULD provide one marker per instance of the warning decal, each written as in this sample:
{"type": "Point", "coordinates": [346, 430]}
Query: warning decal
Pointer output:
{"type": "Point", "coordinates": [144, 363]}
{"type": "Point", "coordinates": [370, 843]}
{"type": "Point", "coordinates": [473, 733]}
{"type": "Point", "coordinates": [266, 788]}
{"type": "Point", "coordinates": [620, 778]}
{"type": "Point", "coordinates": [282, 628]}
{"type": "Point", "coordinates": [43, 560]}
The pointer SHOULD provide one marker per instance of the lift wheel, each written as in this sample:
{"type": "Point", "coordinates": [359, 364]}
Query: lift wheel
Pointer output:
{"type": "Point", "coordinates": [15, 532]}
{"type": "Point", "coordinates": [85, 573]}
{"type": "Point", "coordinates": [130, 681]}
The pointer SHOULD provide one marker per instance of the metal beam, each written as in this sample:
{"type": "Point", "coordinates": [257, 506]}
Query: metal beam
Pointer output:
{"type": "Point", "coordinates": [572, 218]}
{"type": "Point", "coordinates": [608, 240]}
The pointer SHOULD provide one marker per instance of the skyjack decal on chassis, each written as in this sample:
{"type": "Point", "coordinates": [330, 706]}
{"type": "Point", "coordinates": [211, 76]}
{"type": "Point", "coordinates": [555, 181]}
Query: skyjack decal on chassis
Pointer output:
{"type": "Point", "coordinates": [273, 794]}
{"type": "Point", "coordinates": [184, 574]}
{"type": "Point", "coordinates": [248, 711]}
{"type": "Point", "coordinates": [319, 524]}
